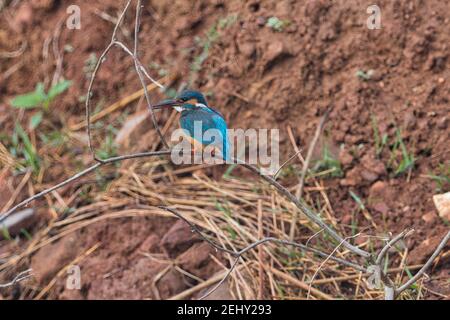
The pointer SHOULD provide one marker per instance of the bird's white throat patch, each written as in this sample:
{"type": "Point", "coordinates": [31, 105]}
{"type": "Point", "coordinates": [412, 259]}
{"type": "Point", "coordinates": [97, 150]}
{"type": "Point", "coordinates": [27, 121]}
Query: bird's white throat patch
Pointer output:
{"type": "Point", "coordinates": [201, 105]}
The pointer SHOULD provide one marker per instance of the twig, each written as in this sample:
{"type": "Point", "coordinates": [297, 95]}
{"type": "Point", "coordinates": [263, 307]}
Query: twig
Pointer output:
{"type": "Point", "coordinates": [19, 277]}
{"type": "Point", "coordinates": [419, 273]}
{"type": "Point", "coordinates": [223, 279]}
{"type": "Point", "coordinates": [390, 244]}
{"type": "Point", "coordinates": [325, 261]}
{"type": "Point", "coordinates": [200, 286]}
{"type": "Point", "coordinates": [301, 183]}
{"type": "Point", "coordinates": [138, 67]}
{"type": "Point", "coordinates": [309, 214]}
{"type": "Point", "coordinates": [262, 241]}
{"type": "Point", "coordinates": [275, 176]}
{"type": "Point", "coordinates": [301, 284]}
{"type": "Point", "coordinates": [79, 175]}
{"type": "Point", "coordinates": [14, 54]}
{"type": "Point", "coordinates": [194, 228]}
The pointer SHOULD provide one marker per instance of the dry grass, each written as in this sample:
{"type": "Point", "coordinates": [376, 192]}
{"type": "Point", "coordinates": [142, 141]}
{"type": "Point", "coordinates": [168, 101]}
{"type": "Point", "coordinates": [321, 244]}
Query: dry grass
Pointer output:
{"type": "Point", "coordinates": [234, 213]}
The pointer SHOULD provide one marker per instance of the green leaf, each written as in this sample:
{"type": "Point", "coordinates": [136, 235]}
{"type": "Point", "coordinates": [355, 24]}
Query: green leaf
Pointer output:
{"type": "Point", "coordinates": [35, 120]}
{"type": "Point", "coordinates": [58, 89]}
{"type": "Point", "coordinates": [31, 99]}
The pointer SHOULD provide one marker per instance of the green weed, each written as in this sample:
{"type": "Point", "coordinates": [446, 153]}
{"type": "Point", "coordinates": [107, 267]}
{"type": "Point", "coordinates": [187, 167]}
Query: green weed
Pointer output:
{"type": "Point", "coordinates": [380, 141]}
{"type": "Point", "coordinates": [39, 99]}
{"type": "Point", "coordinates": [277, 24]}
{"type": "Point", "coordinates": [407, 160]}
{"type": "Point", "coordinates": [328, 165]}
{"type": "Point", "coordinates": [22, 147]}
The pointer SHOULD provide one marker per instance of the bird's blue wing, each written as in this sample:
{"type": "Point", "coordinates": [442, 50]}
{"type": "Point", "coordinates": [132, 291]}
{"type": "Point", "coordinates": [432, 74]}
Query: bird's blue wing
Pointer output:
{"type": "Point", "coordinates": [221, 125]}
{"type": "Point", "coordinates": [209, 120]}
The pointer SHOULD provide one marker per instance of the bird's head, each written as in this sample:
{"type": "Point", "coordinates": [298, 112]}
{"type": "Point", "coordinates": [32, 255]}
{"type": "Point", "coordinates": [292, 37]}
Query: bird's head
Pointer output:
{"type": "Point", "coordinates": [188, 99]}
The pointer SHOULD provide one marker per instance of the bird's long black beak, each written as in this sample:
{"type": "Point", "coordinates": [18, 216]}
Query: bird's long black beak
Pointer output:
{"type": "Point", "coordinates": [166, 103]}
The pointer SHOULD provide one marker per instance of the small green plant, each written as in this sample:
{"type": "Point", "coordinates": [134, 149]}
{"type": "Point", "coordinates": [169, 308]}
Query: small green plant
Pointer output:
{"type": "Point", "coordinates": [108, 148]}
{"type": "Point", "coordinates": [441, 177]}
{"type": "Point", "coordinates": [328, 165]}
{"type": "Point", "coordinates": [54, 138]}
{"type": "Point", "coordinates": [22, 146]}
{"type": "Point", "coordinates": [89, 65]}
{"type": "Point", "coordinates": [276, 24]}
{"type": "Point", "coordinates": [407, 160]}
{"type": "Point", "coordinates": [39, 99]}
{"type": "Point", "coordinates": [380, 141]}
{"type": "Point", "coordinates": [365, 75]}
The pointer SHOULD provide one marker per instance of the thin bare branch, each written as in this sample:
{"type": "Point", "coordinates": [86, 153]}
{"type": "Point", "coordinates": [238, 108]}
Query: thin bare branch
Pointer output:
{"type": "Point", "coordinates": [275, 176]}
{"type": "Point", "coordinates": [325, 261]}
{"type": "Point", "coordinates": [19, 277]}
{"type": "Point", "coordinates": [419, 273]}
{"type": "Point", "coordinates": [391, 243]}
{"type": "Point", "coordinates": [138, 67]}
{"type": "Point", "coordinates": [301, 183]}
{"type": "Point", "coordinates": [259, 242]}
{"type": "Point", "coordinates": [79, 175]}
{"type": "Point", "coordinates": [308, 212]}
{"type": "Point", "coordinates": [223, 279]}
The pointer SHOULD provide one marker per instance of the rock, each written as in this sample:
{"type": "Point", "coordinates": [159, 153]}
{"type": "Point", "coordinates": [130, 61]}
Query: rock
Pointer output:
{"type": "Point", "coordinates": [247, 49]}
{"type": "Point", "coordinates": [345, 157]}
{"type": "Point", "coordinates": [374, 168]}
{"type": "Point", "coordinates": [178, 238]}
{"type": "Point", "coordinates": [369, 175]}
{"type": "Point", "coordinates": [381, 207]}
{"type": "Point", "coordinates": [150, 243]}
{"type": "Point", "coordinates": [424, 250]}
{"type": "Point", "coordinates": [196, 260]}
{"type": "Point", "coordinates": [352, 178]}
{"type": "Point", "coordinates": [409, 121]}
{"type": "Point", "coordinates": [52, 258]}
{"type": "Point", "coordinates": [276, 52]}
{"type": "Point", "coordinates": [442, 203]}
{"type": "Point", "coordinates": [171, 283]}
{"type": "Point", "coordinates": [442, 123]}
{"type": "Point", "coordinates": [20, 220]}
{"type": "Point", "coordinates": [378, 189]}
{"type": "Point", "coordinates": [429, 217]}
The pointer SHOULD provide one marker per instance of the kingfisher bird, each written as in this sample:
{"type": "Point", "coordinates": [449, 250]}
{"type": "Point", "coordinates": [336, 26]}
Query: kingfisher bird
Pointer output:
{"type": "Point", "coordinates": [194, 109]}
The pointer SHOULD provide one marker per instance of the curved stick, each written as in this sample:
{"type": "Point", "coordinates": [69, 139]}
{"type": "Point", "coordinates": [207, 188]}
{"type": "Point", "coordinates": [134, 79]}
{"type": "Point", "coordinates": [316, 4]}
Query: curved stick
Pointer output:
{"type": "Point", "coordinates": [419, 273]}
{"type": "Point", "coordinates": [79, 175]}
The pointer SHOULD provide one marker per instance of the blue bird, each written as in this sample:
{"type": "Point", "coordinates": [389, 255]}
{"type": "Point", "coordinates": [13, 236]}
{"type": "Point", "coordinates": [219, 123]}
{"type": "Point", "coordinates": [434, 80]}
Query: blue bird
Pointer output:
{"type": "Point", "coordinates": [195, 109]}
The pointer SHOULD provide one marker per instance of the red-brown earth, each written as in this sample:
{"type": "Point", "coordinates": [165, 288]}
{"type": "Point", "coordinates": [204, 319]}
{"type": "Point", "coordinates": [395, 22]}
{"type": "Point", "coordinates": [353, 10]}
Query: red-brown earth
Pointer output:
{"type": "Point", "coordinates": [257, 77]}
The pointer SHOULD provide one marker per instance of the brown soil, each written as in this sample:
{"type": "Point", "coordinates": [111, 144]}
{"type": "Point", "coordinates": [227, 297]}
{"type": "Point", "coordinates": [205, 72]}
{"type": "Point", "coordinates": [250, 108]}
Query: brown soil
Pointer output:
{"type": "Point", "coordinates": [258, 78]}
